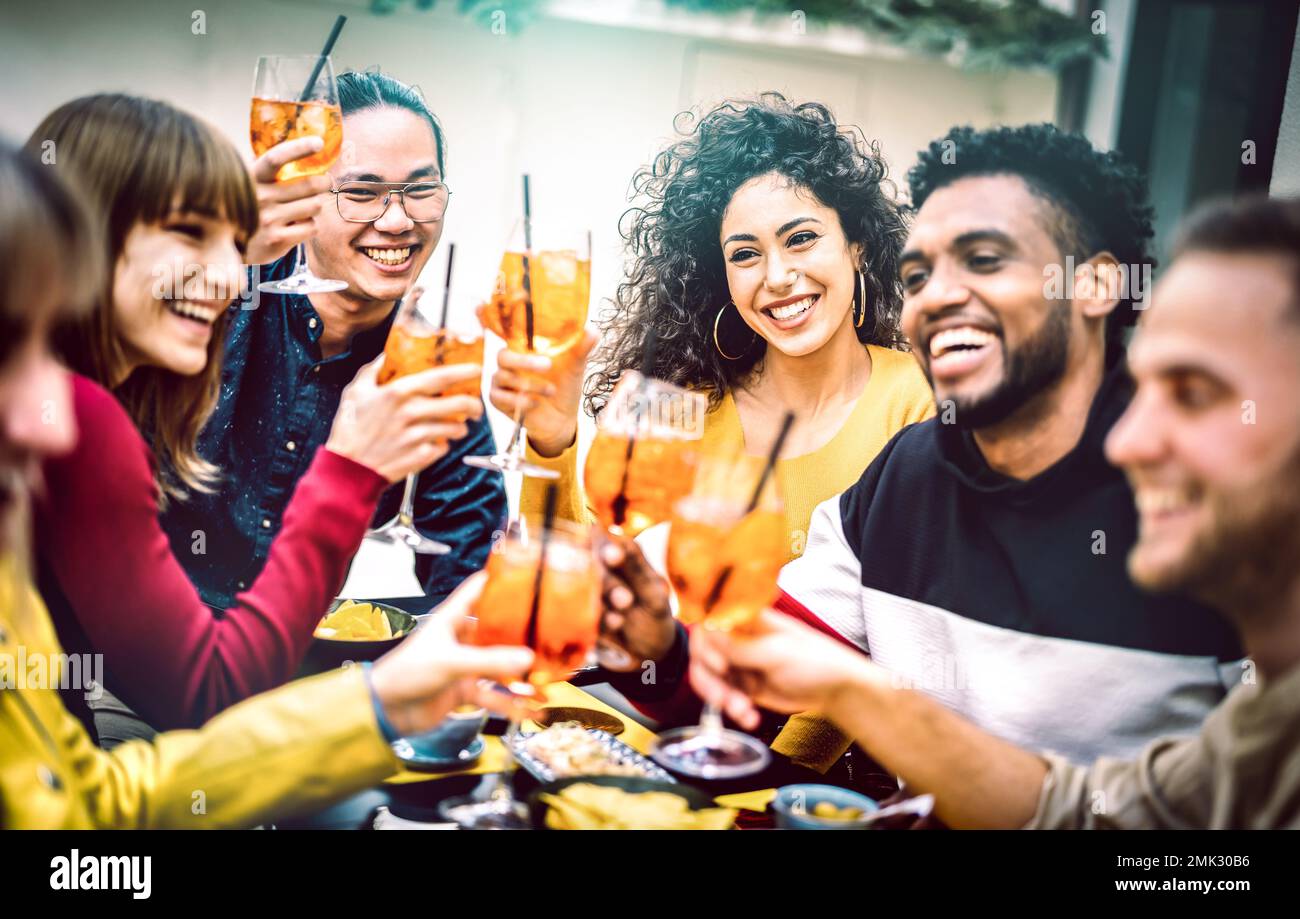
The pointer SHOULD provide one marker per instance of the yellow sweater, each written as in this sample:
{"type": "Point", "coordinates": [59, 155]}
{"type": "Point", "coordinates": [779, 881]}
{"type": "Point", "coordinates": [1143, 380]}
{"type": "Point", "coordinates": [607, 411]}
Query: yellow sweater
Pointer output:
{"type": "Point", "coordinates": [292, 749]}
{"type": "Point", "coordinates": [895, 396]}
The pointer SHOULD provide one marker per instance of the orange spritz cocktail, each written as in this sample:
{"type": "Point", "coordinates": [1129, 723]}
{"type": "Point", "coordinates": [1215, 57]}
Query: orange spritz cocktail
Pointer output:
{"type": "Point", "coordinates": [644, 456]}
{"type": "Point", "coordinates": [658, 472]}
{"type": "Point", "coordinates": [560, 284]}
{"type": "Point", "coordinates": [724, 569]}
{"type": "Point", "coordinates": [410, 350]}
{"type": "Point", "coordinates": [274, 121]}
{"type": "Point", "coordinates": [551, 606]}
{"type": "Point", "coordinates": [725, 551]}
{"type": "Point", "coordinates": [725, 548]}
{"type": "Point", "coordinates": [296, 96]}
{"type": "Point", "coordinates": [417, 343]}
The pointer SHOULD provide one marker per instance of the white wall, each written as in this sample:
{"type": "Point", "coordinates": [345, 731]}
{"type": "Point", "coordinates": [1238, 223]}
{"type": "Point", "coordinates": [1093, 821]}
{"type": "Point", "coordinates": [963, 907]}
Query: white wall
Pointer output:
{"type": "Point", "coordinates": [579, 104]}
{"type": "Point", "coordinates": [1101, 123]}
{"type": "Point", "coordinates": [1286, 162]}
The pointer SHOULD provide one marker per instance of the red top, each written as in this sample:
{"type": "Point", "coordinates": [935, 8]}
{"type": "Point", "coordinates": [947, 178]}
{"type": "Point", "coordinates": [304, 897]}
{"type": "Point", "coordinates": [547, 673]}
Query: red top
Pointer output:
{"type": "Point", "coordinates": [113, 586]}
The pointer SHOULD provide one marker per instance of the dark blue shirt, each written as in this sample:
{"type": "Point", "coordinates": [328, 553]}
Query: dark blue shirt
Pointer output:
{"type": "Point", "coordinates": [277, 404]}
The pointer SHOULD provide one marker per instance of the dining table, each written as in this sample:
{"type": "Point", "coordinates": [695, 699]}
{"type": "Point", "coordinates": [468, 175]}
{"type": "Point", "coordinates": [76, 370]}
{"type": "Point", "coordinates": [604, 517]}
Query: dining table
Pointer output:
{"type": "Point", "coordinates": [413, 796]}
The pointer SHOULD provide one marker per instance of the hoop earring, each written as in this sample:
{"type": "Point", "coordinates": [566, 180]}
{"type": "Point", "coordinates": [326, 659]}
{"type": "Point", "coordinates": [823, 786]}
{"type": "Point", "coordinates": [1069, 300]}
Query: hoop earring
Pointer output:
{"type": "Point", "coordinates": [862, 296]}
{"type": "Point", "coordinates": [717, 344]}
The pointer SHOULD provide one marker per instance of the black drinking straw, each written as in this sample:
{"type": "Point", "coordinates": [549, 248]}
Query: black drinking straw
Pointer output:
{"type": "Point", "coordinates": [548, 524]}
{"type": "Point", "coordinates": [716, 593]}
{"type": "Point", "coordinates": [772, 456]}
{"type": "Point", "coordinates": [446, 290]}
{"type": "Point", "coordinates": [528, 251]}
{"type": "Point", "coordinates": [320, 62]}
{"type": "Point", "coordinates": [651, 345]}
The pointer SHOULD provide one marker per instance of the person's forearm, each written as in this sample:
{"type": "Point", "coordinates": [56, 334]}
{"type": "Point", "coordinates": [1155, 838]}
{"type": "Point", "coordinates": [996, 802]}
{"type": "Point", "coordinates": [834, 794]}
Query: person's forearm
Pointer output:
{"type": "Point", "coordinates": [284, 752]}
{"type": "Point", "coordinates": [171, 659]}
{"type": "Point", "coordinates": [662, 692]}
{"type": "Point", "coordinates": [978, 780]}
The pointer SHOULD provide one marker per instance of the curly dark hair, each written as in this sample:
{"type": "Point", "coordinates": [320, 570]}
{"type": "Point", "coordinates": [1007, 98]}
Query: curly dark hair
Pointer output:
{"type": "Point", "coordinates": [677, 279]}
{"type": "Point", "coordinates": [1098, 199]}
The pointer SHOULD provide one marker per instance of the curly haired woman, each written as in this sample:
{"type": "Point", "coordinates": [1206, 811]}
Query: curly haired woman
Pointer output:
{"type": "Point", "coordinates": [764, 256]}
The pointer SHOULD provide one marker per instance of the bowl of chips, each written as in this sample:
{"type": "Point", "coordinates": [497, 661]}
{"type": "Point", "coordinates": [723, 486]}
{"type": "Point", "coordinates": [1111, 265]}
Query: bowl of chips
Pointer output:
{"type": "Point", "coordinates": [621, 802]}
{"type": "Point", "coordinates": [355, 630]}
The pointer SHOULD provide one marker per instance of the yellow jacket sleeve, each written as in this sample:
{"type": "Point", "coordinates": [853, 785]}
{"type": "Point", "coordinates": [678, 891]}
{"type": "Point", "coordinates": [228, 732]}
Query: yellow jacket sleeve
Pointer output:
{"type": "Point", "coordinates": [570, 500]}
{"type": "Point", "coordinates": [292, 749]}
{"type": "Point", "coordinates": [286, 751]}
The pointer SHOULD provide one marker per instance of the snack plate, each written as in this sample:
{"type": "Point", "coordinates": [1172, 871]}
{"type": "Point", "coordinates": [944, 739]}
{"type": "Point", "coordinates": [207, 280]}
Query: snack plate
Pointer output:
{"type": "Point", "coordinates": [618, 752]}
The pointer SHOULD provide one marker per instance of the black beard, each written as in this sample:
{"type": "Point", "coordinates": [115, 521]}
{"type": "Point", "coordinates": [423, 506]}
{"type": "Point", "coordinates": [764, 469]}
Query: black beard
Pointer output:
{"type": "Point", "coordinates": [1032, 368]}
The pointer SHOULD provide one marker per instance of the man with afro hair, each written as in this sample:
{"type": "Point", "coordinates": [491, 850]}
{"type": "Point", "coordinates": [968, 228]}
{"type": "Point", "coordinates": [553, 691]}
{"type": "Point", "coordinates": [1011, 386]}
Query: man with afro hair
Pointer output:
{"type": "Point", "coordinates": [980, 557]}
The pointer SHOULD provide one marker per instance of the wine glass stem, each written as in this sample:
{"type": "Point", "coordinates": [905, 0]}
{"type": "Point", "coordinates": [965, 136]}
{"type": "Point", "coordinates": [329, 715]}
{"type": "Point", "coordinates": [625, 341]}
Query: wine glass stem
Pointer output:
{"type": "Point", "coordinates": [299, 259]}
{"type": "Point", "coordinates": [406, 513]}
{"type": "Point", "coordinates": [516, 445]}
{"type": "Point", "coordinates": [504, 788]}
{"type": "Point", "coordinates": [711, 720]}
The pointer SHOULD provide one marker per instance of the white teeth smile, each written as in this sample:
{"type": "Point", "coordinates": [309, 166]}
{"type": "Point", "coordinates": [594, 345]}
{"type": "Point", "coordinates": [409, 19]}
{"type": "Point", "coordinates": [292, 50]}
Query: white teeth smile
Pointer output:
{"type": "Point", "coordinates": [1161, 501]}
{"type": "Point", "coordinates": [192, 310]}
{"type": "Point", "coordinates": [388, 256]}
{"type": "Point", "coordinates": [782, 313]}
{"type": "Point", "coordinates": [964, 337]}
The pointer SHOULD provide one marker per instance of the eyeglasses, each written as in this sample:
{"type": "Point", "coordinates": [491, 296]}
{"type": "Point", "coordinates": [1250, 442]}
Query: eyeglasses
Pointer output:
{"type": "Point", "coordinates": [366, 202]}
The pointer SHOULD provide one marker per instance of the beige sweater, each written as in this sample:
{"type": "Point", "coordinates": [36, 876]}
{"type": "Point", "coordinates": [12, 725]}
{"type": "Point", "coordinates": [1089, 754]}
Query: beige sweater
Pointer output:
{"type": "Point", "coordinates": [1242, 771]}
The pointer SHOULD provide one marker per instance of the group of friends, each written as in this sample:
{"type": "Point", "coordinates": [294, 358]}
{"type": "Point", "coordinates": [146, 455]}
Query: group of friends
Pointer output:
{"type": "Point", "coordinates": [1040, 565]}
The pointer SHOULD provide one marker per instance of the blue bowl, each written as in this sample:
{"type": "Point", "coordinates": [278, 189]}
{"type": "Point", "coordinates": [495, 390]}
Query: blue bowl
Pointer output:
{"type": "Point", "coordinates": [794, 806]}
{"type": "Point", "coordinates": [451, 737]}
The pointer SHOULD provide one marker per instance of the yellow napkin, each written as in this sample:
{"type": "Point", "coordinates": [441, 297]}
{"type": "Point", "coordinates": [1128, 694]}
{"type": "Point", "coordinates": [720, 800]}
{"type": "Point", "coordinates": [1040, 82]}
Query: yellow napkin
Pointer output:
{"type": "Point", "coordinates": [749, 800]}
{"type": "Point", "coordinates": [568, 695]}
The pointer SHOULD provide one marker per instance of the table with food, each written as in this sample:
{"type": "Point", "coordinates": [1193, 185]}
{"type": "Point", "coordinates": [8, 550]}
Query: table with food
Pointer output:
{"type": "Point", "coordinates": [579, 763]}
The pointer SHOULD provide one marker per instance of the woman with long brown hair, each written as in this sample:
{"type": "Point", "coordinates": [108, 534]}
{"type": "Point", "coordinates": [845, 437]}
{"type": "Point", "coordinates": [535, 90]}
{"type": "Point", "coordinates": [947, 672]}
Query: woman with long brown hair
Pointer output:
{"type": "Point", "coordinates": [176, 207]}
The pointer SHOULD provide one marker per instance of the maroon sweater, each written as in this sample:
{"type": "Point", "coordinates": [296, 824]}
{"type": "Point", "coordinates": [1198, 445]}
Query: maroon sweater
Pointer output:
{"type": "Point", "coordinates": [113, 586]}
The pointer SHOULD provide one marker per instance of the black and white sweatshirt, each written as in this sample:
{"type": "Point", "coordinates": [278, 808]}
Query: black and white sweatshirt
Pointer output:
{"type": "Point", "coordinates": [1009, 601]}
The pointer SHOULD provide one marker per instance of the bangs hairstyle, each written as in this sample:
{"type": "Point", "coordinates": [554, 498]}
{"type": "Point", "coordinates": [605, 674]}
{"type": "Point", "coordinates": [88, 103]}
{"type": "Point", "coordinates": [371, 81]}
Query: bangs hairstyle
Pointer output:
{"type": "Point", "coordinates": [137, 161]}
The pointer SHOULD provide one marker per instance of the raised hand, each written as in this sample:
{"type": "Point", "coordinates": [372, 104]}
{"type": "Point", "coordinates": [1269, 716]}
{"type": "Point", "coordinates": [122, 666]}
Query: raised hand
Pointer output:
{"type": "Point", "coordinates": [403, 426]}
{"type": "Point", "coordinates": [285, 209]}
{"type": "Point", "coordinates": [636, 621]}
{"type": "Point", "coordinates": [421, 680]}
{"type": "Point", "coordinates": [776, 663]}
{"type": "Point", "coordinates": [546, 391]}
